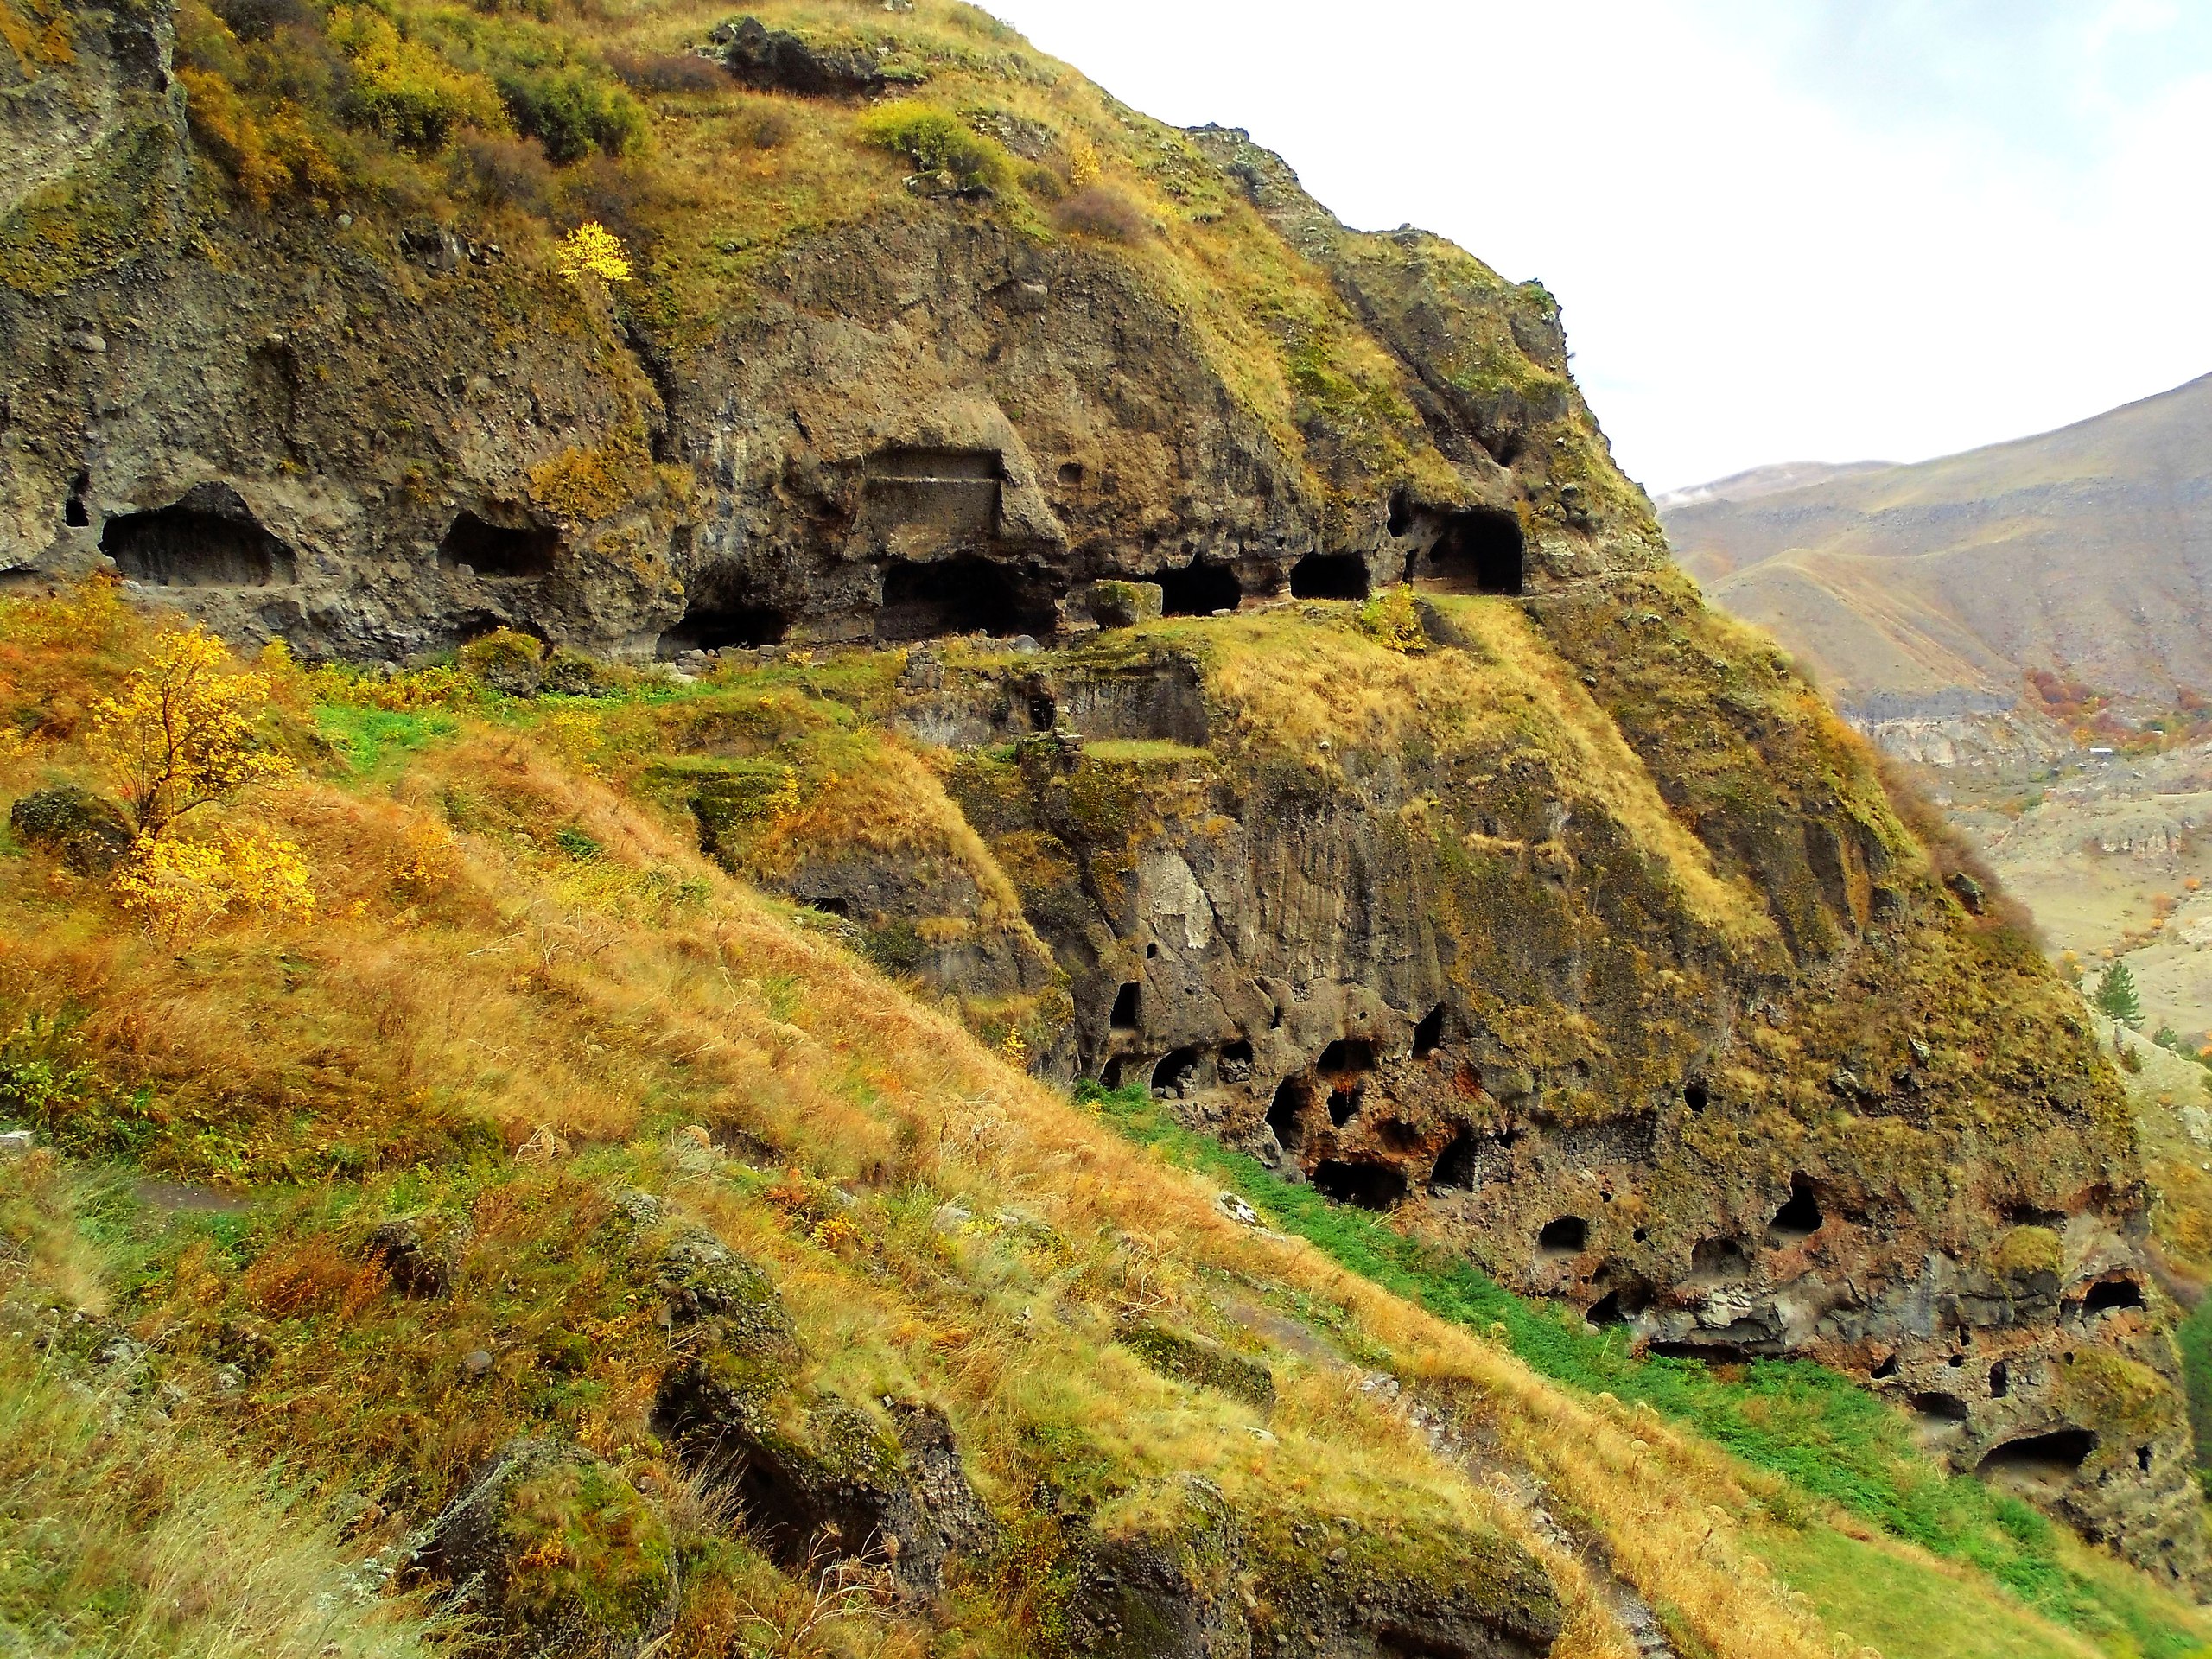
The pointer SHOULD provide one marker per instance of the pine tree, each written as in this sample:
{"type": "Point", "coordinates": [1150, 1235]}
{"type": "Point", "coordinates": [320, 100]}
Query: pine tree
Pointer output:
{"type": "Point", "coordinates": [2116, 996]}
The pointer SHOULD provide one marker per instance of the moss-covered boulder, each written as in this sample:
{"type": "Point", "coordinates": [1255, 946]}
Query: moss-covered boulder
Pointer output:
{"type": "Point", "coordinates": [85, 832]}
{"type": "Point", "coordinates": [556, 1551]}
{"type": "Point", "coordinates": [1200, 1361]}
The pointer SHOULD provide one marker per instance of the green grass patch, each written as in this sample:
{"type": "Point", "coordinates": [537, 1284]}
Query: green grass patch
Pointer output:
{"type": "Point", "coordinates": [2194, 1335]}
{"type": "Point", "coordinates": [1809, 1425]}
{"type": "Point", "coordinates": [367, 740]}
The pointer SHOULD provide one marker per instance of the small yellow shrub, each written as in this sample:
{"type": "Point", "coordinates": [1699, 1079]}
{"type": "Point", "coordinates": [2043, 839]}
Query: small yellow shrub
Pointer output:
{"type": "Point", "coordinates": [1083, 162]}
{"type": "Point", "coordinates": [592, 252]}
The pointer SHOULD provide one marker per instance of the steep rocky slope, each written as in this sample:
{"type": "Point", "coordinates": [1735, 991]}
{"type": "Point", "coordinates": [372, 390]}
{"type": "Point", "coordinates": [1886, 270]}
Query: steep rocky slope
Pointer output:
{"type": "Point", "coordinates": [1925, 595]}
{"type": "Point", "coordinates": [1530, 902]}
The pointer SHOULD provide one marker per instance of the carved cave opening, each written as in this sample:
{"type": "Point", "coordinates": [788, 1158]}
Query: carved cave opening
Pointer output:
{"type": "Point", "coordinates": [2000, 1380]}
{"type": "Point", "coordinates": [1621, 1304]}
{"type": "Point", "coordinates": [1564, 1235]}
{"type": "Point", "coordinates": [1370, 1186]}
{"type": "Point", "coordinates": [721, 615]}
{"type": "Point", "coordinates": [1328, 576]}
{"type": "Point", "coordinates": [1478, 550]}
{"type": "Point", "coordinates": [1124, 1016]}
{"type": "Point", "coordinates": [74, 513]}
{"type": "Point", "coordinates": [2109, 1294]}
{"type": "Point", "coordinates": [1199, 588]}
{"type": "Point", "coordinates": [1455, 1164]}
{"type": "Point", "coordinates": [1428, 1035]}
{"type": "Point", "coordinates": [501, 551]}
{"type": "Point", "coordinates": [2053, 1455]}
{"type": "Point", "coordinates": [925, 598]}
{"type": "Point", "coordinates": [191, 546]}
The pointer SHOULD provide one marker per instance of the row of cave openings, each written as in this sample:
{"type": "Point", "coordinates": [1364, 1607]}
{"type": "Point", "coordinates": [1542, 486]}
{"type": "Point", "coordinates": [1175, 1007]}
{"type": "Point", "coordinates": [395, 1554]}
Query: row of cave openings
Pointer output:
{"type": "Point", "coordinates": [210, 538]}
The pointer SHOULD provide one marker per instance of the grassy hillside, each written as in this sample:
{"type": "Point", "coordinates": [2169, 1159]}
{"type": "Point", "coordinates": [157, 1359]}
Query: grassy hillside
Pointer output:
{"type": "Point", "coordinates": [2079, 554]}
{"type": "Point", "coordinates": [527, 1019]}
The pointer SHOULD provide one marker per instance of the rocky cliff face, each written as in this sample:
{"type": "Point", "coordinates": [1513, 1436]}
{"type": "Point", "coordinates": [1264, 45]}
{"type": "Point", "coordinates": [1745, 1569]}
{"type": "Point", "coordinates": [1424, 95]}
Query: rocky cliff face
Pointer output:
{"type": "Point", "coordinates": [1547, 910]}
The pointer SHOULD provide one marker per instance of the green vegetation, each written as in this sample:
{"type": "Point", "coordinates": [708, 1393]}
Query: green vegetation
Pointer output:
{"type": "Point", "coordinates": [937, 141]}
{"type": "Point", "coordinates": [2117, 996]}
{"type": "Point", "coordinates": [1829, 1439]}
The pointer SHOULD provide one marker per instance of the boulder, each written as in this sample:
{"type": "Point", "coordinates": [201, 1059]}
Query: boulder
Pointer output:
{"type": "Point", "coordinates": [555, 1551]}
{"type": "Point", "coordinates": [87, 833]}
{"type": "Point", "coordinates": [821, 1481]}
{"type": "Point", "coordinates": [776, 59]}
{"type": "Point", "coordinates": [417, 1268]}
{"type": "Point", "coordinates": [1125, 603]}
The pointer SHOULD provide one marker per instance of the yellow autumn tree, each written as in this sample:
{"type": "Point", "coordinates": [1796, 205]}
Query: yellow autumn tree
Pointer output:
{"type": "Point", "coordinates": [178, 739]}
{"type": "Point", "coordinates": [593, 252]}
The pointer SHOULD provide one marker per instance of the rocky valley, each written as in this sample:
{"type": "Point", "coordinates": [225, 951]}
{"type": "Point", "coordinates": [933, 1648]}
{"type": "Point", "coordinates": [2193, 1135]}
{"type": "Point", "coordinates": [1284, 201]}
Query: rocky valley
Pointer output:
{"type": "Point", "coordinates": [957, 885]}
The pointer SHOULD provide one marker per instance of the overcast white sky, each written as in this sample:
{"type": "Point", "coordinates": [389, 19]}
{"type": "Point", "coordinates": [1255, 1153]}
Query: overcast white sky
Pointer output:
{"type": "Point", "coordinates": [1781, 230]}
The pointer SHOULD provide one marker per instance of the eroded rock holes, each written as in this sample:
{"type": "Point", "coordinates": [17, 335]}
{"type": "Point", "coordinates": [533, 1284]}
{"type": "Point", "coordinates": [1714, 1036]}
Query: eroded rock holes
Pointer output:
{"type": "Point", "coordinates": [1799, 1219]}
{"type": "Point", "coordinates": [209, 539]}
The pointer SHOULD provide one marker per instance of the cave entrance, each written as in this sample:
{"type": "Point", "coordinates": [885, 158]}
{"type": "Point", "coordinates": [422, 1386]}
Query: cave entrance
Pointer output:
{"type": "Point", "coordinates": [1455, 1164]}
{"type": "Point", "coordinates": [1199, 588]}
{"type": "Point", "coordinates": [1286, 1112]}
{"type": "Point", "coordinates": [925, 598]}
{"type": "Point", "coordinates": [1479, 550]}
{"type": "Point", "coordinates": [1328, 576]}
{"type": "Point", "coordinates": [1939, 1411]}
{"type": "Point", "coordinates": [209, 539]}
{"type": "Point", "coordinates": [499, 552]}
{"type": "Point", "coordinates": [1428, 1035]}
{"type": "Point", "coordinates": [1370, 1186]}
{"type": "Point", "coordinates": [2054, 1456]}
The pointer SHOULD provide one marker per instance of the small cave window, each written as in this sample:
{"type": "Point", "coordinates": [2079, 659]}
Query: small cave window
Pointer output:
{"type": "Point", "coordinates": [1286, 1112]}
{"type": "Point", "coordinates": [1428, 1035]}
{"type": "Point", "coordinates": [1110, 1075]}
{"type": "Point", "coordinates": [1801, 1216]}
{"type": "Point", "coordinates": [2000, 1380]}
{"type": "Point", "coordinates": [210, 539]}
{"type": "Point", "coordinates": [2109, 1294]}
{"type": "Point", "coordinates": [923, 599]}
{"type": "Point", "coordinates": [1696, 1095]}
{"type": "Point", "coordinates": [1479, 550]}
{"type": "Point", "coordinates": [1071, 474]}
{"type": "Point", "coordinates": [2033, 1215]}
{"type": "Point", "coordinates": [1328, 576]}
{"type": "Point", "coordinates": [1940, 1407]}
{"type": "Point", "coordinates": [1176, 1072]}
{"type": "Point", "coordinates": [1370, 1186]}
{"type": "Point", "coordinates": [1564, 1235]}
{"type": "Point", "coordinates": [497, 550]}
{"type": "Point", "coordinates": [1199, 588]}
{"type": "Point", "coordinates": [1234, 1064]}
{"type": "Point", "coordinates": [1345, 1056]}
{"type": "Point", "coordinates": [74, 513]}
{"type": "Point", "coordinates": [2143, 1459]}
{"type": "Point", "coordinates": [2057, 1453]}
{"type": "Point", "coordinates": [1888, 1368]}
{"type": "Point", "coordinates": [1124, 1017]}
{"type": "Point", "coordinates": [1343, 1104]}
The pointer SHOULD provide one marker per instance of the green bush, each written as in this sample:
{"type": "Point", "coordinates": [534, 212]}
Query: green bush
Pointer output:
{"type": "Point", "coordinates": [572, 111]}
{"type": "Point", "coordinates": [937, 141]}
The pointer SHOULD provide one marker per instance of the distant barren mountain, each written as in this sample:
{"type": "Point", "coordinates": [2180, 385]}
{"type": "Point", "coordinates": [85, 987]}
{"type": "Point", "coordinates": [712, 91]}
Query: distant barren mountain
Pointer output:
{"type": "Point", "coordinates": [1927, 593]}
